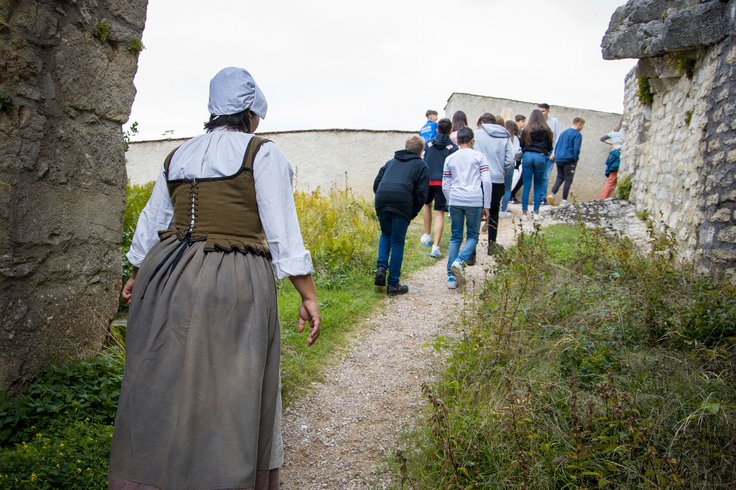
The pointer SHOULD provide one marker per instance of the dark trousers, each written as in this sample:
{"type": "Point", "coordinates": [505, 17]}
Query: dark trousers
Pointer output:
{"type": "Point", "coordinates": [391, 244]}
{"type": "Point", "coordinates": [565, 173]}
{"type": "Point", "coordinates": [497, 191]}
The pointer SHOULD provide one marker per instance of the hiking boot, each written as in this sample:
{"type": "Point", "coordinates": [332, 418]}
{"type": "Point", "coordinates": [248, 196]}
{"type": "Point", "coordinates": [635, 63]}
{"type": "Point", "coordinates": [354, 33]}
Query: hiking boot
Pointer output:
{"type": "Point", "coordinates": [426, 240]}
{"type": "Point", "coordinates": [451, 282]}
{"type": "Point", "coordinates": [435, 252]}
{"type": "Point", "coordinates": [393, 290]}
{"type": "Point", "coordinates": [458, 270]}
{"type": "Point", "coordinates": [380, 277]}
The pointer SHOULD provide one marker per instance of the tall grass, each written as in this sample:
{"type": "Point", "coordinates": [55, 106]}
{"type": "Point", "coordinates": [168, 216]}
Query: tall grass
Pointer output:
{"type": "Point", "coordinates": [585, 366]}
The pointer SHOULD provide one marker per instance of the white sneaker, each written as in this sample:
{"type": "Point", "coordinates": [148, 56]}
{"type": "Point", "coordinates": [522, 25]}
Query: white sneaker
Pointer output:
{"type": "Point", "coordinates": [435, 252]}
{"type": "Point", "coordinates": [451, 283]}
{"type": "Point", "coordinates": [504, 214]}
{"type": "Point", "coordinates": [537, 217]}
{"type": "Point", "coordinates": [563, 202]}
{"type": "Point", "coordinates": [524, 217]}
{"type": "Point", "coordinates": [426, 240]}
{"type": "Point", "coordinates": [459, 271]}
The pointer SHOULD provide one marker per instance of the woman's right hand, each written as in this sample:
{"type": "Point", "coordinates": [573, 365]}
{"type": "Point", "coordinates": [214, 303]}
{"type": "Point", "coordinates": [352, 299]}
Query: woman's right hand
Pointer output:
{"type": "Point", "coordinates": [128, 287]}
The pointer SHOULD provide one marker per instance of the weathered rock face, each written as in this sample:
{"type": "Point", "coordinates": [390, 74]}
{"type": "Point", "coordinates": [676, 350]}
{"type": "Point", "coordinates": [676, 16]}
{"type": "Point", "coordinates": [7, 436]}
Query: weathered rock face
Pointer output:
{"type": "Point", "coordinates": [65, 91]}
{"type": "Point", "coordinates": [681, 143]}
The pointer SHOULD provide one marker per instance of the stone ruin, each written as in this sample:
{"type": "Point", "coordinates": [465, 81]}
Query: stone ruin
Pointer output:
{"type": "Point", "coordinates": [66, 88]}
{"type": "Point", "coordinates": [679, 120]}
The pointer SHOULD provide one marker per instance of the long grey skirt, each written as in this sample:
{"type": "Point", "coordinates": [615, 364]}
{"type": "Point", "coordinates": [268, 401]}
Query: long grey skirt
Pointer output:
{"type": "Point", "coordinates": [200, 404]}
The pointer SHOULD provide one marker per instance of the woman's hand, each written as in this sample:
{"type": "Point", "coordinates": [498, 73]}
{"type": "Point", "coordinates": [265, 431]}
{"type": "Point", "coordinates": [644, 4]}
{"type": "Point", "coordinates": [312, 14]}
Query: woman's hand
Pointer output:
{"type": "Point", "coordinates": [128, 288]}
{"type": "Point", "coordinates": [309, 313]}
{"type": "Point", "coordinates": [309, 309]}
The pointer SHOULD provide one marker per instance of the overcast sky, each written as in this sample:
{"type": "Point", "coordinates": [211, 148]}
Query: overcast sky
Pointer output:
{"type": "Point", "coordinates": [378, 64]}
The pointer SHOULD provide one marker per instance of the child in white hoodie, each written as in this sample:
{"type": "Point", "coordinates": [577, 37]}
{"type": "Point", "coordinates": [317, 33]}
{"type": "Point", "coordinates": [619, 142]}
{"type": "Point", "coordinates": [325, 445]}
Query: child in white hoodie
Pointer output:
{"type": "Point", "coordinates": [466, 184]}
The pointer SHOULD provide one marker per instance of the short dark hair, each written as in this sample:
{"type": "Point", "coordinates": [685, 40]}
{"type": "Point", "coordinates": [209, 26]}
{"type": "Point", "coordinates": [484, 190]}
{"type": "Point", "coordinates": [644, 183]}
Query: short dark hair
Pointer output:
{"type": "Point", "coordinates": [239, 121]}
{"type": "Point", "coordinates": [543, 106]}
{"type": "Point", "coordinates": [487, 118]}
{"type": "Point", "coordinates": [465, 135]}
{"type": "Point", "coordinates": [520, 117]}
{"type": "Point", "coordinates": [444, 126]}
{"type": "Point", "coordinates": [430, 112]}
{"type": "Point", "coordinates": [578, 120]}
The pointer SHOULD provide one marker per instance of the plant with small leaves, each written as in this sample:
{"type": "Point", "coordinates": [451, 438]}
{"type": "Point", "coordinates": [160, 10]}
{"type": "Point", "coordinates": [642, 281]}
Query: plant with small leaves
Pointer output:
{"type": "Point", "coordinates": [135, 46]}
{"type": "Point", "coordinates": [103, 31]}
{"type": "Point", "coordinates": [624, 188]}
{"type": "Point", "coordinates": [644, 91]}
{"type": "Point", "coordinates": [129, 133]}
{"type": "Point", "coordinates": [6, 103]}
{"type": "Point", "coordinates": [688, 117]}
{"type": "Point", "coordinates": [685, 66]}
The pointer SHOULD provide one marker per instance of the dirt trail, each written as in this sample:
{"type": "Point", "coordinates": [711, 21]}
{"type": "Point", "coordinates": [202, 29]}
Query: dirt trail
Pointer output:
{"type": "Point", "coordinates": [338, 435]}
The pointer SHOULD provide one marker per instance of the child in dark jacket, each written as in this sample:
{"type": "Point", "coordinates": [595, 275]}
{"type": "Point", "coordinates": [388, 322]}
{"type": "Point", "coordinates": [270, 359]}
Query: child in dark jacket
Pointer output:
{"type": "Point", "coordinates": [435, 153]}
{"type": "Point", "coordinates": [401, 190]}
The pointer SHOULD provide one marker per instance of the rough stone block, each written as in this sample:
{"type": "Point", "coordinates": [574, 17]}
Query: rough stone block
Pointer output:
{"type": "Point", "coordinates": [728, 234]}
{"type": "Point", "coordinates": [722, 215]}
{"type": "Point", "coordinates": [711, 26]}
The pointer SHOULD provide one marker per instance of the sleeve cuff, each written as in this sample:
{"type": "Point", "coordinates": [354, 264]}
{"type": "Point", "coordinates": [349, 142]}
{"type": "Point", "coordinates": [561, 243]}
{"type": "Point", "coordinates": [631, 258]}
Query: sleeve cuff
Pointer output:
{"type": "Point", "coordinates": [299, 265]}
{"type": "Point", "coordinates": [134, 259]}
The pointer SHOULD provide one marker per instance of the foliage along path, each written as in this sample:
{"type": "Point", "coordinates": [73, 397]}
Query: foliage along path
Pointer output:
{"type": "Point", "coordinates": [338, 436]}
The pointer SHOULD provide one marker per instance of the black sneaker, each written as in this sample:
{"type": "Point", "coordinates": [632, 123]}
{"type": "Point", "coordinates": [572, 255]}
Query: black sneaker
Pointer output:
{"type": "Point", "coordinates": [397, 289]}
{"type": "Point", "coordinates": [380, 277]}
{"type": "Point", "coordinates": [471, 260]}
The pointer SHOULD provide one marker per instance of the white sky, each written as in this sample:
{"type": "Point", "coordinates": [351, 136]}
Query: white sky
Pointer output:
{"type": "Point", "coordinates": [375, 64]}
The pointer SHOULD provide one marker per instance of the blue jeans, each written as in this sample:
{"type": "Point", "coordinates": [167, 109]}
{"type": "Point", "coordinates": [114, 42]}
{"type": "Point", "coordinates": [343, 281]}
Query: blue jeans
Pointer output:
{"type": "Point", "coordinates": [508, 183]}
{"type": "Point", "coordinates": [460, 217]}
{"type": "Point", "coordinates": [533, 167]}
{"type": "Point", "coordinates": [547, 173]}
{"type": "Point", "coordinates": [391, 243]}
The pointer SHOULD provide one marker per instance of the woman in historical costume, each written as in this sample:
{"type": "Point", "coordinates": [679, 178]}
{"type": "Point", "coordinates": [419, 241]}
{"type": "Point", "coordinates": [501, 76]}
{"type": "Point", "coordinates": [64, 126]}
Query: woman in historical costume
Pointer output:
{"type": "Point", "coordinates": [200, 404]}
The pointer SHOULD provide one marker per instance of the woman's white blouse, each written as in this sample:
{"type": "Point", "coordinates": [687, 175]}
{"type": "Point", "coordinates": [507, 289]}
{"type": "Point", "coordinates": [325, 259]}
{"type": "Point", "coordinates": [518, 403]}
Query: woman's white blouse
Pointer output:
{"type": "Point", "coordinates": [220, 154]}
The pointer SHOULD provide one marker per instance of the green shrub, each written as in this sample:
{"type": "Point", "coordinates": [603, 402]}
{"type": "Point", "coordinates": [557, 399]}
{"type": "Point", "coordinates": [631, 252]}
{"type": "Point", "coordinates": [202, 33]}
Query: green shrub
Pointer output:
{"type": "Point", "coordinates": [644, 91]}
{"type": "Point", "coordinates": [685, 66]}
{"type": "Point", "coordinates": [135, 46]}
{"type": "Point", "coordinates": [598, 368]}
{"type": "Point", "coordinates": [103, 31]}
{"type": "Point", "coordinates": [136, 197]}
{"type": "Point", "coordinates": [71, 456]}
{"type": "Point", "coordinates": [623, 190]}
{"type": "Point", "coordinates": [86, 389]}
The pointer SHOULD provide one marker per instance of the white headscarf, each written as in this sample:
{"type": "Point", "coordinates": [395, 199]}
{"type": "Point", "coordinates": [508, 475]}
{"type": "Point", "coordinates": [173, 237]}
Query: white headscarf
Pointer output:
{"type": "Point", "coordinates": [234, 90]}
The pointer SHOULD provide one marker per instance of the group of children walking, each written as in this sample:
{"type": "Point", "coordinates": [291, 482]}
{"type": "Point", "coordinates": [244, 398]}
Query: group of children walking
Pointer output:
{"type": "Point", "coordinates": [472, 174]}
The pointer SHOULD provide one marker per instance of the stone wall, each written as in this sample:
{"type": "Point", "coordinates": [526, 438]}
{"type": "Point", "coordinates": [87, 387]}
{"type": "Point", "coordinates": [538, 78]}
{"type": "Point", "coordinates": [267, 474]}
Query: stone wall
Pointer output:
{"type": "Point", "coordinates": [66, 87]}
{"type": "Point", "coordinates": [681, 142]}
{"type": "Point", "coordinates": [320, 158]}
{"type": "Point", "coordinates": [589, 176]}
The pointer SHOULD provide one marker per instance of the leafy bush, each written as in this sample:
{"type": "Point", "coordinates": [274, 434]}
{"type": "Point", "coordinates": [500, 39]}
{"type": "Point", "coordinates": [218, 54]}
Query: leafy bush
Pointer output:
{"type": "Point", "coordinates": [135, 46]}
{"type": "Point", "coordinates": [58, 433]}
{"type": "Point", "coordinates": [644, 91]}
{"type": "Point", "coordinates": [103, 30]}
{"type": "Point", "coordinates": [585, 365]}
{"type": "Point", "coordinates": [623, 190]}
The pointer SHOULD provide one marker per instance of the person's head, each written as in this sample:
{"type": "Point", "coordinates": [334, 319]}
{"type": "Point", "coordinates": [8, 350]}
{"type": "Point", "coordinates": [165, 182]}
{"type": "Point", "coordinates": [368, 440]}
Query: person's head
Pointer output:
{"type": "Point", "coordinates": [486, 118]}
{"type": "Point", "coordinates": [431, 115]}
{"type": "Point", "coordinates": [459, 120]}
{"type": "Point", "coordinates": [520, 121]}
{"type": "Point", "coordinates": [507, 114]}
{"type": "Point", "coordinates": [536, 122]}
{"type": "Point", "coordinates": [235, 101]}
{"type": "Point", "coordinates": [465, 137]}
{"type": "Point", "coordinates": [578, 123]}
{"type": "Point", "coordinates": [414, 144]}
{"type": "Point", "coordinates": [500, 120]}
{"type": "Point", "coordinates": [545, 109]}
{"type": "Point", "coordinates": [444, 126]}
{"type": "Point", "coordinates": [512, 127]}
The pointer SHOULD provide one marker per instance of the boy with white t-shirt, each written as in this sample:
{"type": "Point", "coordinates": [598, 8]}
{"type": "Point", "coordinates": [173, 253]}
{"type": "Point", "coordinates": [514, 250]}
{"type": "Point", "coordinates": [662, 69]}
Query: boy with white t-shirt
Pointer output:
{"type": "Point", "coordinates": [466, 184]}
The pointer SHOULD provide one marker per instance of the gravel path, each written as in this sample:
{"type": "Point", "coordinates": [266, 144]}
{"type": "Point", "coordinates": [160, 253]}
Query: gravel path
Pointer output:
{"type": "Point", "coordinates": [339, 435]}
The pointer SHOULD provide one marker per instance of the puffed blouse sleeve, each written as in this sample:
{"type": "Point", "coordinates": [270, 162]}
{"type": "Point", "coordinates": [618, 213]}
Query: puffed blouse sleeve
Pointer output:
{"type": "Point", "coordinates": [156, 216]}
{"type": "Point", "coordinates": [275, 196]}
